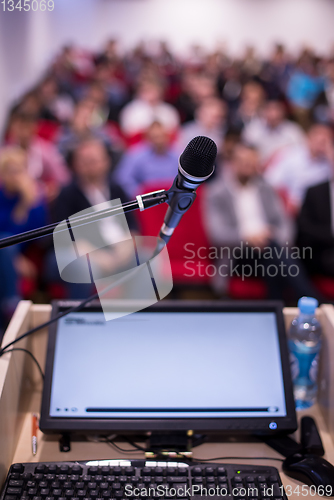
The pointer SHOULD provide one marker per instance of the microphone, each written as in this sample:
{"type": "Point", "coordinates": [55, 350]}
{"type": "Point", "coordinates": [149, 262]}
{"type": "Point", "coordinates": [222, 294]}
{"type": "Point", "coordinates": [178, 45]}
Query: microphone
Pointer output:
{"type": "Point", "coordinates": [196, 165]}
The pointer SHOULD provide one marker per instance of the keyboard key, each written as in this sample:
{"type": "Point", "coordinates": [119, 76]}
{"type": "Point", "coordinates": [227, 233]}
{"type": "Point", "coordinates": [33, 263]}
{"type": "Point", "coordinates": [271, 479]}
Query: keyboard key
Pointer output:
{"type": "Point", "coordinates": [19, 468]}
{"type": "Point", "coordinates": [277, 492]}
{"type": "Point", "coordinates": [15, 483]}
{"type": "Point", "coordinates": [209, 471]}
{"type": "Point", "coordinates": [237, 480]}
{"type": "Point", "coordinates": [196, 471]}
{"type": "Point", "coordinates": [52, 468]}
{"type": "Point", "coordinates": [13, 491]}
{"type": "Point", "coordinates": [93, 471]}
{"type": "Point", "coordinates": [56, 492]}
{"type": "Point", "coordinates": [93, 493]}
{"type": "Point", "coordinates": [77, 469]}
{"type": "Point", "coordinates": [64, 468]}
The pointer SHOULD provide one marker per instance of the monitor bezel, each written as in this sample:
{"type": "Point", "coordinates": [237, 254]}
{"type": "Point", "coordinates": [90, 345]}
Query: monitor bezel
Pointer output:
{"type": "Point", "coordinates": [141, 426]}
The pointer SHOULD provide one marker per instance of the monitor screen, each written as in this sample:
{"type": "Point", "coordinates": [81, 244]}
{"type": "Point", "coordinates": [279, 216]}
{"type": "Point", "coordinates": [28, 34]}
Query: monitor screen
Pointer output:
{"type": "Point", "coordinates": [165, 365]}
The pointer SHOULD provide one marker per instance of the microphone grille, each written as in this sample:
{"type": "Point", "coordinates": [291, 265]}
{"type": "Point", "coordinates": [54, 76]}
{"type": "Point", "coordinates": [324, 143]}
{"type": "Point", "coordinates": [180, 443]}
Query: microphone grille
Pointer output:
{"type": "Point", "coordinates": [199, 157]}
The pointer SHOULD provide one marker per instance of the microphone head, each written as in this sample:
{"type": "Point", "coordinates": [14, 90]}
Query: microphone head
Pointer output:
{"type": "Point", "coordinates": [197, 160]}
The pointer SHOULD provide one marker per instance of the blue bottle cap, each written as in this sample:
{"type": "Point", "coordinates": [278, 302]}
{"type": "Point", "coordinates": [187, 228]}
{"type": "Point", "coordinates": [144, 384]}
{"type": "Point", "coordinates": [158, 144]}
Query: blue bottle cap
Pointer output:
{"type": "Point", "coordinates": [307, 305]}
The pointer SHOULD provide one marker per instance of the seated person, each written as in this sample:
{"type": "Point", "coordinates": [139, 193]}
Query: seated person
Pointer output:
{"type": "Point", "coordinates": [147, 107]}
{"type": "Point", "coordinates": [91, 185]}
{"type": "Point", "coordinates": [45, 164]}
{"type": "Point", "coordinates": [250, 105]}
{"type": "Point", "coordinates": [82, 126]}
{"type": "Point", "coordinates": [244, 214]}
{"type": "Point", "coordinates": [21, 209]}
{"type": "Point", "coordinates": [209, 121]}
{"type": "Point", "coordinates": [316, 228]}
{"type": "Point", "coordinates": [155, 160]}
{"type": "Point", "coordinates": [273, 131]}
{"type": "Point", "coordinates": [302, 166]}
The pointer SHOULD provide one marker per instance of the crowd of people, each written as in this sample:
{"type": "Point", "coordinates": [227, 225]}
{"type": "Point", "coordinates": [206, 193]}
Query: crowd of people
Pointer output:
{"type": "Point", "coordinates": [101, 125]}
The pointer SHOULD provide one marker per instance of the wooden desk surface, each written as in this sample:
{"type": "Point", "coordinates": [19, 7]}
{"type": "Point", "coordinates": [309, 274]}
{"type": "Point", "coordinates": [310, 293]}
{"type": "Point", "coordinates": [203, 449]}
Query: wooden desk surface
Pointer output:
{"type": "Point", "coordinates": [48, 449]}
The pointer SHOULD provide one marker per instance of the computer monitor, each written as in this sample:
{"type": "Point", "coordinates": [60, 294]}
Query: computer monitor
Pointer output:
{"type": "Point", "coordinates": [209, 367]}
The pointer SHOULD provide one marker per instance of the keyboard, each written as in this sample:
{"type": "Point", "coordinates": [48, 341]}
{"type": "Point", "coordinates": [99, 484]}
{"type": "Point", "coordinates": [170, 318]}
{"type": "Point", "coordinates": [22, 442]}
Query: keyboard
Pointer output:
{"type": "Point", "coordinates": [141, 480]}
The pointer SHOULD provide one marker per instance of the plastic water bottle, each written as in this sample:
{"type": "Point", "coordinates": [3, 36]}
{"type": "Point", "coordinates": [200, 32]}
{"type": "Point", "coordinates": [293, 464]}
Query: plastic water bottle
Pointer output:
{"type": "Point", "coordinates": [305, 340]}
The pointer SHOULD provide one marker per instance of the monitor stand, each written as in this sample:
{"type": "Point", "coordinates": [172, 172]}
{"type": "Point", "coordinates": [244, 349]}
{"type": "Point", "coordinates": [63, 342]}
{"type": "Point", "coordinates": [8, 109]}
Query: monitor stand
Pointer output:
{"type": "Point", "coordinates": [172, 445]}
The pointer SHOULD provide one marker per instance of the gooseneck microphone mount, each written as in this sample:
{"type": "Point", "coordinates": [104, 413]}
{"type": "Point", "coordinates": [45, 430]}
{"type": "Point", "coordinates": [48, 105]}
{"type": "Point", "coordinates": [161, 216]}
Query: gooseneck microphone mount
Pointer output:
{"type": "Point", "coordinates": [196, 165]}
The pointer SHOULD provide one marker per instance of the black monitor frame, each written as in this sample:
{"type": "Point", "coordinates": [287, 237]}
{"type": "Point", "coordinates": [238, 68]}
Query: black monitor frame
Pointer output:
{"type": "Point", "coordinates": [209, 426]}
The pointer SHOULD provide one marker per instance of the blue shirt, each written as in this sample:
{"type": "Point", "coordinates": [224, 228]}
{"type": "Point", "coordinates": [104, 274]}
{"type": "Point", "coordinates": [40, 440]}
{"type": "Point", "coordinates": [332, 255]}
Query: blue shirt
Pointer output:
{"type": "Point", "coordinates": [303, 89]}
{"type": "Point", "coordinates": [36, 215]}
{"type": "Point", "coordinates": [142, 165]}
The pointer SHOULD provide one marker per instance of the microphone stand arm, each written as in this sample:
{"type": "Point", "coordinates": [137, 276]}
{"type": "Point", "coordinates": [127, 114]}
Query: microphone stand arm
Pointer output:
{"type": "Point", "coordinates": [141, 203]}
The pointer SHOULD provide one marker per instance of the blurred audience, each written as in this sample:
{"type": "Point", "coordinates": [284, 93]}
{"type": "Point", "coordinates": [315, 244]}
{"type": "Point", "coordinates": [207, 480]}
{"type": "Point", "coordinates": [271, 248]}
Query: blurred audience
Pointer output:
{"type": "Point", "coordinates": [242, 210]}
{"type": "Point", "coordinates": [251, 102]}
{"type": "Point", "coordinates": [148, 106]}
{"type": "Point", "coordinates": [22, 208]}
{"type": "Point", "coordinates": [304, 86]}
{"type": "Point", "coordinates": [209, 121]}
{"type": "Point", "coordinates": [91, 185]}
{"type": "Point", "coordinates": [302, 166]}
{"type": "Point", "coordinates": [316, 228]}
{"type": "Point", "coordinates": [272, 132]}
{"type": "Point", "coordinates": [45, 164]}
{"type": "Point", "coordinates": [130, 114]}
{"type": "Point", "coordinates": [154, 161]}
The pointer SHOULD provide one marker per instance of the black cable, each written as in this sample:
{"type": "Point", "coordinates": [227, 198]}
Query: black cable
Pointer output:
{"type": "Point", "coordinates": [132, 443]}
{"type": "Point", "coordinates": [52, 320]}
{"type": "Point", "coordinates": [140, 448]}
{"type": "Point", "coordinates": [31, 355]}
{"type": "Point", "coordinates": [111, 443]}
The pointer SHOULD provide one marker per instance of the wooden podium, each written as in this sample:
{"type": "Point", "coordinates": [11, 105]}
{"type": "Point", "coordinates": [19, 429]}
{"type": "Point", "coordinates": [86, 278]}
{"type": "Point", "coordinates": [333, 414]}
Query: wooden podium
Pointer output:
{"type": "Point", "coordinates": [21, 390]}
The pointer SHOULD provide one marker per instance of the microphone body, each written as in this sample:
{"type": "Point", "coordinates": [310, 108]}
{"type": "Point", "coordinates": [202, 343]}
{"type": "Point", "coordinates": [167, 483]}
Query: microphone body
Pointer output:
{"type": "Point", "coordinates": [196, 165]}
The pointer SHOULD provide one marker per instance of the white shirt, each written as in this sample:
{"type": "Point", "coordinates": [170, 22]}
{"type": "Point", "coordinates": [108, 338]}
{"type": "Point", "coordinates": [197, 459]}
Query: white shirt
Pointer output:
{"type": "Point", "coordinates": [295, 170]}
{"type": "Point", "coordinates": [194, 129]}
{"type": "Point", "coordinates": [249, 210]}
{"type": "Point", "coordinates": [138, 115]}
{"type": "Point", "coordinates": [271, 140]}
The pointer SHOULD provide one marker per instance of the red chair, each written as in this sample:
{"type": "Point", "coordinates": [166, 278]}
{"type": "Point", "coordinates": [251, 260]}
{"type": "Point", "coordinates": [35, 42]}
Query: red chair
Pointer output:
{"type": "Point", "coordinates": [187, 266]}
{"type": "Point", "coordinates": [325, 285]}
{"type": "Point", "coordinates": [247, 289]}
{"type": "Point", "coordinates": [48, 130]}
